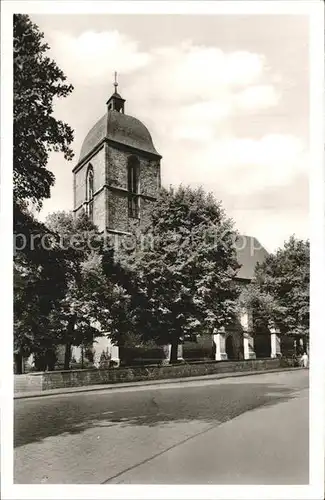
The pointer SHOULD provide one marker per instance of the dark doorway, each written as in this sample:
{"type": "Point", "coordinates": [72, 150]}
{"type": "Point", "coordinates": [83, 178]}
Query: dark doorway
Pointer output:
{"type": "Point", "coordinates": [262, 346]}
{"type": "Point", "coordinates": [230, 347]}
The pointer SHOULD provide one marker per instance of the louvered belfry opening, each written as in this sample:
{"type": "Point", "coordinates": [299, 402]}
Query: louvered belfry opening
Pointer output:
{"type": "Point", "coordinates": [133, 186]}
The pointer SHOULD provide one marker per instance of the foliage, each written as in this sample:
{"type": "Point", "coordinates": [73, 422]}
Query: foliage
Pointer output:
{"type": "Point", "coordinates": [38, 81]}
{"type": "Point", "coordinates": [57, 284]}
{"type": "Point", "coordinates": [90, 354]}
{"type": "Point", "coordinates": [104, 361]}
{"type": "Point", "coordinates": [183, 267]}
{"type": "Point", "coordinates": [77, 318]}
{"type": "Point", "coordinates": [40, 281]}
{"type": "Point", "coordinates": [40, 273]}
{"type": "Point", "coordinates": [280, 294]}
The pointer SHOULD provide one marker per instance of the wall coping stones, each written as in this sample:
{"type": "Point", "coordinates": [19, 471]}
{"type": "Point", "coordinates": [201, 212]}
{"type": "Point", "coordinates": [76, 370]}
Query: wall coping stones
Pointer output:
{"type": "Point", "coordinates": [93, 376]}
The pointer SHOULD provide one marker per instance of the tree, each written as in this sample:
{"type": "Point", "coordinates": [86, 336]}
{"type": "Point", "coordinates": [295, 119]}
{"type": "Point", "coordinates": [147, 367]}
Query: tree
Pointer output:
{"type": "Point", "coordinates": [38, 81]}
{"type": "Point", "coordinates": [122, 297]}
{"type": "Point", "coordinates": [183, 267]}
{"type": "Point", "coordinates": [83, 305]}
{"type": "Point", "coordinates": [41, 275]}
{"type": "Point", "coordinates": [280, 294]}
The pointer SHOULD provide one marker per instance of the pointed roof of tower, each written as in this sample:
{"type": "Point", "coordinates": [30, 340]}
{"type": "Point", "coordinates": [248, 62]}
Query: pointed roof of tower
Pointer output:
{"type": "Point", "coordinates": [249, 253]}
{"type": "Point", "coordinates": [116, 102]}
{"type": "Point", "coordinates": [118, 127]}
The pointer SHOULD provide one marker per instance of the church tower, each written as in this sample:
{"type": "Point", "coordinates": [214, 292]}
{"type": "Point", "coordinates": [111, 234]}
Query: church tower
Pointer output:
{"type": "Point", "coordinates": [118, 173]}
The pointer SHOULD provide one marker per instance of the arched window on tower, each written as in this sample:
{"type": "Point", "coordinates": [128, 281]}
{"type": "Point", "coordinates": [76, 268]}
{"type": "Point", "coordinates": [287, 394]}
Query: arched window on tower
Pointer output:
{"type": "Point", "coordinates": [90, 191]}
{"type": "Point", "coordinates": [133, 186]}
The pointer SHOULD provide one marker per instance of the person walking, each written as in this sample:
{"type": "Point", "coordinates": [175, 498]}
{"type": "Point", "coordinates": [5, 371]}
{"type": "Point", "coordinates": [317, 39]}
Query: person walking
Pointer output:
{"type": "Point", "coordinates": [304, 360]}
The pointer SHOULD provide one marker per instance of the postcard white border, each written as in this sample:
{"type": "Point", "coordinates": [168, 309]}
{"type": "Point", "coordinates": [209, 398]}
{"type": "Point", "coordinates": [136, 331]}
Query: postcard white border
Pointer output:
{"type": "Point", "coordinates": [315, 490]}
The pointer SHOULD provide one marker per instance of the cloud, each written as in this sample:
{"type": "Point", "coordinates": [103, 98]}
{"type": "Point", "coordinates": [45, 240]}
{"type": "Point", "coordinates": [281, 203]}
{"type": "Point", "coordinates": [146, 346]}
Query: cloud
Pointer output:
{"type": "Point", "coordinates": [199, 121]}
{"type": "Point", "coordinates": [190, 91]}
{"type": "Point", "coordinates": [188, 72]}
{"type": "Point", "coordinates": [257, 97]}
{"type": "Point", "coordinates": [241, 164]}
{"type": "Point", "coordinates": [189, 96]}
{"type": "Point", "coordinates": [92, 56]}
{"type": "Point", "coordinates": [272, 228]}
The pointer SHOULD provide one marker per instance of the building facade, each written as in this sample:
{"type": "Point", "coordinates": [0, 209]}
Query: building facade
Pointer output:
{"type": "Point", "coordinates": [117, 177]}
{"type": "Point", "coordinates": [118, 173]}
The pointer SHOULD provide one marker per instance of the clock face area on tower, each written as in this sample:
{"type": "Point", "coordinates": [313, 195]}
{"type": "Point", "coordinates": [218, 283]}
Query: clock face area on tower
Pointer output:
{"type": "Point", "coordinates": [117, 176]}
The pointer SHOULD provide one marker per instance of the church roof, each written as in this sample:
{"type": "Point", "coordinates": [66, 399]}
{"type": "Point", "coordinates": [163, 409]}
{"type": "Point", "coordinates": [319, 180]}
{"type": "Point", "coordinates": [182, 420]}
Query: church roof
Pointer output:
{"type": "Point", "coordinates": [120, 128]}
{"type": "Point", "coordinates": [249, 253]}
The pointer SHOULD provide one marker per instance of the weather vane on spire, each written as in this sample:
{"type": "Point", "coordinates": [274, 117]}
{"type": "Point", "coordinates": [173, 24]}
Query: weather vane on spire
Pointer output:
{"type": "Point", "coordinates": [115, 81]}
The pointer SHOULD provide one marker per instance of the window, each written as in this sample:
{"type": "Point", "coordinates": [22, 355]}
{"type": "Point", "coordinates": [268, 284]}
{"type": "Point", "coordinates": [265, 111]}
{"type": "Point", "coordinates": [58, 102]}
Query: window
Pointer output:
{"type": "Point", "coordinates": [90, 183]}
{"type": "Point", "coordinates": [133, 174]}
{"type": "Point", "coordinates": [133, 206]}
{"type": "Point", "coordinates": [91, 211]}
{"type": "Point", "coordinates": [133, 186]}
{"type": "Point", "coordinates": [90, 191]}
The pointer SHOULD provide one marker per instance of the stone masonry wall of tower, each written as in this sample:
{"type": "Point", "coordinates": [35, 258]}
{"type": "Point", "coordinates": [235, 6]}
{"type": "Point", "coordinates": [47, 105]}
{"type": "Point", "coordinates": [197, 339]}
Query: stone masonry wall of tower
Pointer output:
{"type": "Point", "coordinates": [110, 204]}
{"type": "Point", "coordinates": [114, 141]}
{"type": "Point", "coordinates": [97, 161]}
{"type": "Point", "coordinates": [117, 192]}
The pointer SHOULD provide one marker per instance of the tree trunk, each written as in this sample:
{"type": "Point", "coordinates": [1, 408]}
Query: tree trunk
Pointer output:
{"type": "Point", "coordinates": [67, 356]}
{"type": "Point", "coordinates": [68, 345]}
{"type": "Point", "coordinates": [174, 351]}
{"type": "Point", "coordinates": [18, 364]}
{"type": "Point", "coordinates": [82, 356]}
{"type": "Point", "coordinates": [51, 359]}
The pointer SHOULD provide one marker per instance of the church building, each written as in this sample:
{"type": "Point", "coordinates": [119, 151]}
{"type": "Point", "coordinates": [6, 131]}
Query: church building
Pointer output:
{"type": "Point", "coordinates": [115, 180]}
{"type": "Point", "coordinates": [118, 172]}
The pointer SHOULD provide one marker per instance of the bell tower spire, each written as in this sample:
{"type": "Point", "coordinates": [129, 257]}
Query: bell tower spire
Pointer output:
{"type": "Point", "coordinates": [115, 82]}
{"type": "Point", "coordinates": [115, 102]}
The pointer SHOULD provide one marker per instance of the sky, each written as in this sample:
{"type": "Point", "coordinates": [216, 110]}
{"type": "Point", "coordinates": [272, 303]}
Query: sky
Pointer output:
{"type": "Point", "coordinates": [225, 97]}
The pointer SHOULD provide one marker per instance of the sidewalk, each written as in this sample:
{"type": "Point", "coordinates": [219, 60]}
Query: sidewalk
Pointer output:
{"type": "Point", "coordinates": [105, 387]}
{"type": "Point", "coordinates": [249, 449]}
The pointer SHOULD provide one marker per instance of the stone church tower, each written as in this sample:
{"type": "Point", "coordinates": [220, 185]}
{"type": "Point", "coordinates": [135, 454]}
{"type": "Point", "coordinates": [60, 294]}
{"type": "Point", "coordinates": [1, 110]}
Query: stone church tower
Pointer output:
{"type": "Point", "coordinates": [118, 172]}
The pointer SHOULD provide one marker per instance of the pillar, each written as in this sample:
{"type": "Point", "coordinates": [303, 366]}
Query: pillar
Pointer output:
{"type": "Point", "coordinates": [104, 344]}
{"type": "Point", "coordinates": [115, 355]}
{"type": "Point", "coordinates": [180, 352]}
{"type": "Point", "coordinates": [96, 357]}
{"type": "Point", "coordinates": [167, 350]}
{"type": "Point", "coordinates": [220, 341]}
{"type": "Point", "coordinates": [246, 347]}
{"type": "Point", "coordinates": [75, 353]}
{"type": "Point", "coordinates": [246, 321]}
{"type": "Point", "coordinates": [275, 343]}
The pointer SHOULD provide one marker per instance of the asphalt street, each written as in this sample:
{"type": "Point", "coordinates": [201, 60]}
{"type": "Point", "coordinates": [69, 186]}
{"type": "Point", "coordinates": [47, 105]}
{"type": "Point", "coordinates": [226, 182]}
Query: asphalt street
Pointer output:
{"type": "Point", "coordinates": [247, 430]}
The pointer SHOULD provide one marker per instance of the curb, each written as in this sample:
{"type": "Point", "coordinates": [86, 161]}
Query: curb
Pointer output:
{"type": "Point", "coordinates": [141, 383]}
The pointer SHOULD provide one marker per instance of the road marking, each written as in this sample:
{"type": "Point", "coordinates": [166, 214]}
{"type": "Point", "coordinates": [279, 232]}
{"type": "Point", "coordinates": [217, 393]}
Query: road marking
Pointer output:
{"type": "Point", "coordinates": [132, 467]}
{"type": "Point", "coordinates": [303, 393]}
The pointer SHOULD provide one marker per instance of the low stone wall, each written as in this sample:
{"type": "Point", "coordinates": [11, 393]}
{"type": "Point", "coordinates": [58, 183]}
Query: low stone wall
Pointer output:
{"type": "Point", "coordinates": [78, 378]}
{"type": "Point", "coordinates": [31, 382]}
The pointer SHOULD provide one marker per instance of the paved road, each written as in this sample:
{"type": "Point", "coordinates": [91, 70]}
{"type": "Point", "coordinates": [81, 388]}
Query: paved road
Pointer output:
{"type": "Point", "coordinates": [245, 430]}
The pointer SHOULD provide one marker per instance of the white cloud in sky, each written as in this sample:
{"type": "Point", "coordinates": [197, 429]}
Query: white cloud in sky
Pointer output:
{"type": "Point", "coordinates": [241, 165]}
{"type": "Point", "coordinates": [92, 56]}
{"type": "Point", "coordinates": [272, 227]}
{"type": "Point", "coordinates": [190, 91]}
{"type": "Point", "coordinates": [199, 121]}
{"type": "Point", "coordinates": [257, 97]}
{"type": "Point", "coordinates": [251, 164]}
{"type": "Point", "coordinates": [187, 95]}
{"type": "Point", "coordinates": [188, 73]}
